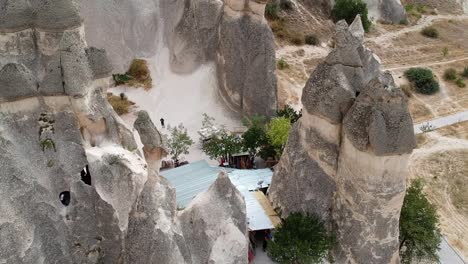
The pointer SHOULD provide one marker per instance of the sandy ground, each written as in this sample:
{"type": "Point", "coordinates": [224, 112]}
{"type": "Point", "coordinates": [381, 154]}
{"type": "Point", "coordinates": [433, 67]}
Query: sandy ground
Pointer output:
{"type": "Point", "coordinates": [443, 164]}
{"type": "Point", "coordinates": [180, 99]}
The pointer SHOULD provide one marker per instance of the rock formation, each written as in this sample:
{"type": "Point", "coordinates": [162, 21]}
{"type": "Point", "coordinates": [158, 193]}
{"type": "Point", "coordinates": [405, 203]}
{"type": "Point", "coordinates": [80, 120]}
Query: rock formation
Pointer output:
{"type": "Point", "coordinates": [235, 34]}
{"type": "Point", "coordinates": [73, 185]}
{"type": "Point", "coordinates": [389, 11]}
{"type": "Point", "coordinates": [126, 29]}
{"type": "Point", "coordinates": [346, 158]}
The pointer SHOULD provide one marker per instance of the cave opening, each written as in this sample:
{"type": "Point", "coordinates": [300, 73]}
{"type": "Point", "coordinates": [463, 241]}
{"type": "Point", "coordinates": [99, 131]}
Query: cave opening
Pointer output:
{"type": "Point", "coordinates": [86, 176]}
{"type": "Point", "coordinates": [65, 198]}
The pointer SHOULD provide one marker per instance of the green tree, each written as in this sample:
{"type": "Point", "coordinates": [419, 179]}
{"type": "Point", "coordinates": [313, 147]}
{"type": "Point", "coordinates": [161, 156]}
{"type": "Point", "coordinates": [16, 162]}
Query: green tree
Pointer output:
{"type": "Point", "coordinates": [278, 132]}
{"type": "Point", "coordinates": [221, 145]}
{"type": "Point", "coordinates": [419, 232]}
{"type": "Point", "coordinates": [349, 9]}
{"type": "Point", "coordinates": [300, 240]}
{"type": "Point", "coordinates": [207, 121]}
{"type": "Point", "coordinates": [179, 142]}
{"type": "Point", "coordinates": [290, 113]}
{"type": "Point", "coordinates": [254, 139]}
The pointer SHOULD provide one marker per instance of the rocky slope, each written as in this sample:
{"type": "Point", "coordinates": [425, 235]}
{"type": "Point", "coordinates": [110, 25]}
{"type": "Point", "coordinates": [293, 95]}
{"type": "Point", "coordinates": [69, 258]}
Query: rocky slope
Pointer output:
{"type": "Point", "coordinates": [449, 6]}
{"type": "Point", "coordinates": [389, 11]}
{"type": "Point", "coordinates": [234, 34]}
{"type": "Point", "coordinates": [73, 184]}
{"type": "Point", "coordinates": [346, 159]}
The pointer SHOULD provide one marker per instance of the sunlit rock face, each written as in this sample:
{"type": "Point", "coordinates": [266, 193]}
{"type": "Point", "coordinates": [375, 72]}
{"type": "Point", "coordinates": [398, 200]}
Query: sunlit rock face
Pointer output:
{"type": "Point", "coordinates": [236, 36]}
{"type": "Point", "coordinates": [346, 158]}
{"type": "Point", "coordinates": [73, 183]}
{"type": "Point", "coordinates": [126, 29]}
{"type": "Point", "coordinates": [388, 11]}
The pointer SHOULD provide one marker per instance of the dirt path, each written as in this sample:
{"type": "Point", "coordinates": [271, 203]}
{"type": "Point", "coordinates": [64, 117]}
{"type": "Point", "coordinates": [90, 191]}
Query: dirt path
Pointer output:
{"type": "Point", "coordinates": [442, 121]}
{"type": "Point", "coordinates": [425, 21]}
{"type": "Point", "coordinates": [422, 165]}
{"type": "Point", "coordinates": [404, 67]}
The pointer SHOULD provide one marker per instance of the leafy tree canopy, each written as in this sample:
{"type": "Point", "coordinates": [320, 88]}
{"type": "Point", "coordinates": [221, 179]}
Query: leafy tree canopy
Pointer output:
{"type": "Point", "coordinates": [222, 144]}
{"type": "Point", "coordinates": [301, 239]}
{"type": "Point", "coordinates": [278, 132]}
{"type": "Point", "coordinates": [254, 139]}
{"type": "Point", "coordinates": [179, 142]}
{"type": "Point", "coordinates": [289, 113]}
{"type": "Point", "coordinates": [349, 9]}
{"type": "Point", "coordinates": [419, 232]}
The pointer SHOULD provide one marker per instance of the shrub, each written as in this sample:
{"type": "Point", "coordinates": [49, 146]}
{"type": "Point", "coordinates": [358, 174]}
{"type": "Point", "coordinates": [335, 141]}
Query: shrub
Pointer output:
{"type": "Point", "coordinates": [300, 239]}
{"type": "Point", "coordinates": [423, 80]}
{"type": "Point", "coordinates": [450, 74]}
{"type": "Point", "coordinates": [445, 51]}
{"type": "Point", "coordinates": [460, 83]}
{"type": "Point", "coordinates": [349, 9]}
{"type": "Point", "coordinates": [120, 105]}
{"type": "Point", "coordinates": [141, 74]}
{"type": "Point", "coordinates": [286, 5]}
{"type": "Point", "coordinates": [297, 39]}
{"type": "Point", "coordinates": [312, 39]}
{"type": "Point", "coordinates": [121, 79]}
{"type": "Point", "coordinates": [430, 32]}
{"type": "Point", "coordinates": [415, 11]}
{"type": "Point", "coordinates": [465, 72]}
{"type": "Point", "coordinates": [282, 64]}
{"type": "Point", "coordinates": [271, 10]}
{"type": "Point", "coordinates": [47, 144]}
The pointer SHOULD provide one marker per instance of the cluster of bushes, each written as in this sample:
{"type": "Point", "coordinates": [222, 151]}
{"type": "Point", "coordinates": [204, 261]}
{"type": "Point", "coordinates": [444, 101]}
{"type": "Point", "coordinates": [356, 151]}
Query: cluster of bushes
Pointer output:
{"type": "Point", "coordinates": [263, 138]}
{"type": "Point", "coordinates": [423, 80]}
{"type": "Point", "coordinates": [138, 75]}
{"type": "Point", "coordinates": [272, 9]}
{"type": "Point", "coordinates": [415, 11]}
{"type": "Point", "coordinates": [349, 9]}
{"type": "Point", "coordinates": [430, 32]}
{"type": "Point", "coordinates": [452, 75]}
{"type": "Point", "coordinates": [120, 103]}
{"type": "Point", "coordinates": [301, 239]}
{"type": "Point", "coordinates": [312, 39]}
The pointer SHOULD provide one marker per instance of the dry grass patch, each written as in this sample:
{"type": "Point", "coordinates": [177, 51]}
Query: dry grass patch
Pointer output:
{"type": "Point", "coordinates": [459, 130]}
{"type": "Point", "coordinates": [121, 104]}
{"type": "Point", "coordinates": [451, 169]}
{"type": "Point", "coordinates": [138, 75]}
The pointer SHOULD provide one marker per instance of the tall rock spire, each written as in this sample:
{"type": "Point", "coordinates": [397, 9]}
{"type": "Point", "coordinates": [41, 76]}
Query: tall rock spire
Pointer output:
{"type": "Point", "coordinates": [346, 158]}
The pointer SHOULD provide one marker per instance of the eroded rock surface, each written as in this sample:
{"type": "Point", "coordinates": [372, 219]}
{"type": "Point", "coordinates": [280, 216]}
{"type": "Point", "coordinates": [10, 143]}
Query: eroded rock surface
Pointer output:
{"type": "Point", "coordinates": [73, 185]}
{"type": "Point", "coordinates": [346, 158]}
{"type": "Point", "coordinates": [237, 37]}
{"type": "Point", "coordinates": [390, 11]}
{"type": "Point", "coordinates": [126, 29]}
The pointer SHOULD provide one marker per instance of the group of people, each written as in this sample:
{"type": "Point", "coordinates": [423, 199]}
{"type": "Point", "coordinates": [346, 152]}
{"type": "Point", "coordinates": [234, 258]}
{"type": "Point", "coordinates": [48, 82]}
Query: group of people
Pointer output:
{"type": "Point", "coordinates": [254, 237]}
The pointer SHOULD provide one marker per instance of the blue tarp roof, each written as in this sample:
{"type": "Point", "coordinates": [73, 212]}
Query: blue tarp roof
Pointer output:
{"type": "Point", "coordinates": [194, 178]}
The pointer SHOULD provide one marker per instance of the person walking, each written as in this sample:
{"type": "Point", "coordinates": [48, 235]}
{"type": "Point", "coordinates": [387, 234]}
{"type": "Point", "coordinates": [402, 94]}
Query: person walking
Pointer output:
{"type": "Point", "coordinates": [162, 122]}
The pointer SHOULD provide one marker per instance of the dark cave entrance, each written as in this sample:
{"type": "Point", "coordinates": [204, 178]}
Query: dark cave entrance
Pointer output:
{"type": "Point", "coordinates": [86, 176]}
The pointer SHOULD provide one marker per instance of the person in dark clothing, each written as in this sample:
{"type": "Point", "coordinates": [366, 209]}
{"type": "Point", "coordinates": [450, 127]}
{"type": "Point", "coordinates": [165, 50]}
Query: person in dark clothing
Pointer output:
{"type": "Point", "coordinates": [162, 122]}
{"type": "Point", "coordinates": [266, 238]}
